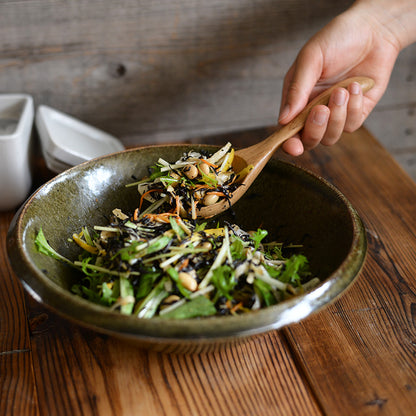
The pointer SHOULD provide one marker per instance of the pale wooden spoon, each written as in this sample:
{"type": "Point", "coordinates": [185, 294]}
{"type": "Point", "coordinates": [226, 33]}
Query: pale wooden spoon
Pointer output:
{"type": "Point", "coordinates": [260, 153]}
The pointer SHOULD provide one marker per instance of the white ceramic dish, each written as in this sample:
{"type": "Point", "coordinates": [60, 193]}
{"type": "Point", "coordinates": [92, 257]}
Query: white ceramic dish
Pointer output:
{"type": "Point", "coordinates": [55, 165]}
{"type": "Point", "coordinates": [67, 141]}
{"type": "Point", "coordinates": [16, 121]}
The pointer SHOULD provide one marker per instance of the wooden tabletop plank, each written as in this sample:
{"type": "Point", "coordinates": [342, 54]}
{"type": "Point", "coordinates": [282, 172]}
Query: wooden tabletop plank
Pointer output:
{"type": "Point", "coordinates": [13, 331]}
{"type": "Point", "coordinates": [364, 344]}
{"type": "Point", "coordinates": [18, 391]}
{"type": "Point", "coordinates": [102, 375]}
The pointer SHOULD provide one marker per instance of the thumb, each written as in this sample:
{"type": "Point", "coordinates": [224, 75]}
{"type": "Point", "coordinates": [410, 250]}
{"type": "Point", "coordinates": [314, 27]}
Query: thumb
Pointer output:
{"type": "Point", "coordinates": [299, 82]}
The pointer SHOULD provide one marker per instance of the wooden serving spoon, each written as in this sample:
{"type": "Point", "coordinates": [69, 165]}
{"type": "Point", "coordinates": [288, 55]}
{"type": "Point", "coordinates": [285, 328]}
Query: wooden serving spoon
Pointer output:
{"type": "Point", "coordinates": [260, 153]}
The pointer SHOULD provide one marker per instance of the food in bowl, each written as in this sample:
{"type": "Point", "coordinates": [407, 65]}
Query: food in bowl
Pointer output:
{"type": "Point", "coordinates": [155, 262]}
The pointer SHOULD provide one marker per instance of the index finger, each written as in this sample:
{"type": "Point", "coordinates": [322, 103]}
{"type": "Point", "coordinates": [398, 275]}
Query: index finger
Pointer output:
{"type": "Point", "coordinates": [299, 82]}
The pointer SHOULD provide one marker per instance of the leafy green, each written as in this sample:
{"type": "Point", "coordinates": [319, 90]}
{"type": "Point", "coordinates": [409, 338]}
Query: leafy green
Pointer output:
{"type": "Point", "coordinates": [149, 305]}
{"type": "Point", "coordinates": [87, 236]}
{"type": "Point", "coordinates": [200, 306]}
{"type": "Point", "coordinates": [88, 288]}
{"type": "Point", "coordinates": [146, 282]}
{"type": "Point", "coordinates": [109, 293]}
{"type": "Point", "coordinates": [296, 267]}
{"type": "Point", "coordinates": [273, 271]}
{"type": "Point", "coordinates": [44, 248]}
{"type": "Point", "coordinates": [158, 245]}
{"type": "Point", "coordinates": [176, 228]}
{"type": "Point", "coordinates": [264, 290]}
{"type": "Point", "coordinates": [127, 253]}
{"type": "Point", "coordinates": [157, 172]}
{"type": "Point", "coordinates": [237, 249]}
{"type": "Point", "coordinates": [257, 237]}
{"type": "Point", "coordinates": [126, 290]}
{"type": "Point", "coordinates": [200, 227]}
{"type": "Point", "coordinates": [274, 250]}
{"type": "Point", "coordinates": [90, 294]}
{"type": "Point", "coordinates": [87, 268]}
{"type": "Point", "coordinates": [130, 224]}
{"type": "Point", "coordinates": [223, 279]}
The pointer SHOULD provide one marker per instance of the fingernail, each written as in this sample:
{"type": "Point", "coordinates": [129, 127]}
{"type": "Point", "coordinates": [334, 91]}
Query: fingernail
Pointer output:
{"type": "Point", "coordinates": [320, 117]}
{"type": "Point", "coordinates": [355, 88]}
{"type": "Point", "coordinates": [340, 97]}
{"type": "Point", "coordinates": [285, 112]}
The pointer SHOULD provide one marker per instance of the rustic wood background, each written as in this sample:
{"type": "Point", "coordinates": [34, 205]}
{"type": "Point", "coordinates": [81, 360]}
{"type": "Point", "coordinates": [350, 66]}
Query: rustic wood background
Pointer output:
{"type": "Point", "coordinates": [165, 70]}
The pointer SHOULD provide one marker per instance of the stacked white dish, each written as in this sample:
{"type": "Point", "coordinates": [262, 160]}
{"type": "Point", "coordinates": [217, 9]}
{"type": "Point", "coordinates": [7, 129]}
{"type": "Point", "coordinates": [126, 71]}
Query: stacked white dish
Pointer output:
{"type": "Point", "coordinates": [67, 142]}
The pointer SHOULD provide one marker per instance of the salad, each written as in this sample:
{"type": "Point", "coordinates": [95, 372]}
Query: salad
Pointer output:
{"type": "Point", "coordinates": [157, 262]}
{"type": "Point", "coordinates": [193, 181]}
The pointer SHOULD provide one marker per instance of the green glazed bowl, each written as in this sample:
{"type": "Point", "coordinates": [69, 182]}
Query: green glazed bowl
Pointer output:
{"type": "Point", "coordinates": [292, 204]}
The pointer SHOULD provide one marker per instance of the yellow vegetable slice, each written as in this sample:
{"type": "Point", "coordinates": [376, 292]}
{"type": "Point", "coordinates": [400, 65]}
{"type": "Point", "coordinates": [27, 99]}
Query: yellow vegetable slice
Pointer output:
{"type": "Point", "coordinates": [244, 172]}
{"type": "Point", "coordinates": [215, 232]}
{"type": "Point", "coordinates": [84, 245]}
{"type": "Point", "coordinates": [227, 161]}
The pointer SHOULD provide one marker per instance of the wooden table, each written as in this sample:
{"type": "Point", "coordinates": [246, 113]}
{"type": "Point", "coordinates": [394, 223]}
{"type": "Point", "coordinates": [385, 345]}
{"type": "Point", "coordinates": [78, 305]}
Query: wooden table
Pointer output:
{"type": "Point", "coordinates": [356, 357]}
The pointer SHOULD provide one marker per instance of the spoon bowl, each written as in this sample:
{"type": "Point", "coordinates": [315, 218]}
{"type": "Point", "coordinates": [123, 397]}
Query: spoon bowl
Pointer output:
{"type": "Point", "coordinates": [260, 153]}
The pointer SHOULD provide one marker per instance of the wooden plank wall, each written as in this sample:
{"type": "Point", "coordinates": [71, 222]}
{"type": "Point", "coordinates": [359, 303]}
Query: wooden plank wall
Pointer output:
{"type": "Point", "coordinates": [164, 70]}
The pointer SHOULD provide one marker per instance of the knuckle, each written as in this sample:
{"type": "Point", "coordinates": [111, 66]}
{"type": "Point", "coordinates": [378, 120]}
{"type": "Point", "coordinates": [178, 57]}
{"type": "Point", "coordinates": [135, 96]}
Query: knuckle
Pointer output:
{"type": "Point", "coordinates": [350, 128]}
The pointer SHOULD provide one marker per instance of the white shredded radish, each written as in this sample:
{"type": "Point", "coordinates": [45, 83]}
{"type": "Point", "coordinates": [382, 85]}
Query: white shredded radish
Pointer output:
{"type": "Point", "coordinates": [219, 154]}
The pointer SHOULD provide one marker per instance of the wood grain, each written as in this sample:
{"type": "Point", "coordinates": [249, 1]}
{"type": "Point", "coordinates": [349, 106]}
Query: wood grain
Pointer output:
{"type": "Point", "coordinates": [106, 376]}
{"type": "Point", "coordinates": [12, 313]}
{"type": "Point", "coordinates": [364, 344]}
{"type": "Point", "coordinates": [18, 389]}
{"type": "Point", "coordinates": [17, 384]}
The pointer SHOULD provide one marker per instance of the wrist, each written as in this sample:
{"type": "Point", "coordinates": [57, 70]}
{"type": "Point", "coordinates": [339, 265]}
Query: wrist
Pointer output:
{"type": "Point", "coordinates": [395, 19]}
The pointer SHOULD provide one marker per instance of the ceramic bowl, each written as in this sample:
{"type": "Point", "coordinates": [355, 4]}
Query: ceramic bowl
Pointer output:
{"type": "Point", "coordinates": [291, 203]}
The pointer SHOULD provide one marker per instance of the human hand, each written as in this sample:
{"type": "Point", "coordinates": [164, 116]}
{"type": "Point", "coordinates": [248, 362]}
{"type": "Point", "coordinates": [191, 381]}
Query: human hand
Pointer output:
{"type": "Point", "coordinates": [356, 43]}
